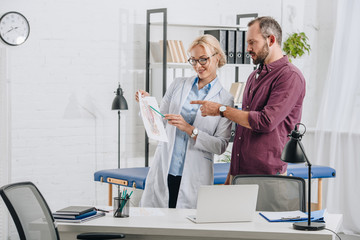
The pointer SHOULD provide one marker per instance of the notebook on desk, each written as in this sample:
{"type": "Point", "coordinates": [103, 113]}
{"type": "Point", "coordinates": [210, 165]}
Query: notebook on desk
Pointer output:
{"type": "Point", "coordinates": [226, 203]}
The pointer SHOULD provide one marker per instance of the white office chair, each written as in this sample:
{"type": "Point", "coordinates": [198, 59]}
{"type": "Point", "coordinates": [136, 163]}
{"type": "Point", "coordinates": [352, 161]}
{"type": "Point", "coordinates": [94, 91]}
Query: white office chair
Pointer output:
{"type": "Point", "coordinates": [32, 216]}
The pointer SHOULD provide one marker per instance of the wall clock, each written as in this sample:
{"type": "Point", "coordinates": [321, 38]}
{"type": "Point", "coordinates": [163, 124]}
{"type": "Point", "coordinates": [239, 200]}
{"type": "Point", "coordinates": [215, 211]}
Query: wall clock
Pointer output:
{"type": "Point", "coordinates": [14, 28]}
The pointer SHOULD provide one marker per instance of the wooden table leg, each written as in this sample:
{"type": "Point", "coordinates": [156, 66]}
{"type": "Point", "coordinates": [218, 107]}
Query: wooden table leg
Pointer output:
{"type": "Point", "coordinates": [319, 193]}
{"type": "Point", "coordinates": [110, 195]}
{"type": "Point", "coordinates": [318, 205]}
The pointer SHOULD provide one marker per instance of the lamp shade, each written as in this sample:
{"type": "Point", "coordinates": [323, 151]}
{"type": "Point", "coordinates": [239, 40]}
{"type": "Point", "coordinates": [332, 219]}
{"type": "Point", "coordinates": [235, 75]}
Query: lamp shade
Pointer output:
{"type": "Point", "coordinates": [119, 102]}
{"type": "Point", "coordinates": [292, 152]}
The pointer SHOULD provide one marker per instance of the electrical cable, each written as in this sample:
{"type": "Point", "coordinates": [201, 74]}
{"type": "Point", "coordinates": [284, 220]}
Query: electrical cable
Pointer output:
{"type": "Point", "coordinates": [333, 232]}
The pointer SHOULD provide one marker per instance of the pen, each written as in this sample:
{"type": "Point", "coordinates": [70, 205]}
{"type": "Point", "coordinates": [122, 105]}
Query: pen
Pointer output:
{"type": "Point", "coordinates": [157, 111]}
{"type": "Point", "coordinates": [131, 193]}
{"type": "Point", "coordinates": [101, 210]}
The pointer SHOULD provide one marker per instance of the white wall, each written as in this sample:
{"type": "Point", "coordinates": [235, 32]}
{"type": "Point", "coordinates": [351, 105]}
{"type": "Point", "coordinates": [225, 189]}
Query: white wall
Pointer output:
{"type": "Point", "coordinates": [63, 78]}
{"type": "Point", "coordinates": [4, 136]}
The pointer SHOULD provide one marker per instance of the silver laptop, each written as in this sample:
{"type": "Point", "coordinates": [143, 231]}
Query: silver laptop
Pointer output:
{"type": "Point", "coordinates": [226, 203]}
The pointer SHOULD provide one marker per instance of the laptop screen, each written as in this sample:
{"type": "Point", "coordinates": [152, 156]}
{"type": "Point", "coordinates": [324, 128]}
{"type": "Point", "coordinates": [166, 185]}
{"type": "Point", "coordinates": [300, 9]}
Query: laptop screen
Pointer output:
{"type": "Point", "coordinates": [226, 203]}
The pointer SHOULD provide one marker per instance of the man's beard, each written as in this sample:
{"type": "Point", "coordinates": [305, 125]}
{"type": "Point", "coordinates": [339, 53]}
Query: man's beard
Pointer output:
{"type": "Point", "coordinates": [261, 56]}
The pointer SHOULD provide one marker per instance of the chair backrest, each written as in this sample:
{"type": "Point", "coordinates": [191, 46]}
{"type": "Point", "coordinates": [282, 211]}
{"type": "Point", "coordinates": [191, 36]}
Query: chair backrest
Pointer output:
{"type": "Point", "coordinates": [30, 212]}
{"type": "Point", "coordinates": [276, 192]}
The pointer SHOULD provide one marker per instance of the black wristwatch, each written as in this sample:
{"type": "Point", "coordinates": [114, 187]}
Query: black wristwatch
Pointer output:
{"type": "Point", "coordinates": [222, 109]}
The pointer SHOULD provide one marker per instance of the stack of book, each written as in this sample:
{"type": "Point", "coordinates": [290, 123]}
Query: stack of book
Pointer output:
{"type": "Point", "coordinates": [76, 214]}
{"type": "Point", "coordinates": [176, 52]}
{"type": "Point", "coordinates": [237, 90]}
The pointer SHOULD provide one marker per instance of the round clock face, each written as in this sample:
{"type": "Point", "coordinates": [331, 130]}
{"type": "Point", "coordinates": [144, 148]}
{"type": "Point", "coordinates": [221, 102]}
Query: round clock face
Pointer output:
{"type": "Point", "coordinates": [14, 28]}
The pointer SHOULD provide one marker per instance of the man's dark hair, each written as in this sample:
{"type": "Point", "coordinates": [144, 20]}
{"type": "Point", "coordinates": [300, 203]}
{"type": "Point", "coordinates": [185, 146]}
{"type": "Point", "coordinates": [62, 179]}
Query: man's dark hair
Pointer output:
{"type": "Point", "coordinates": [268, 26]}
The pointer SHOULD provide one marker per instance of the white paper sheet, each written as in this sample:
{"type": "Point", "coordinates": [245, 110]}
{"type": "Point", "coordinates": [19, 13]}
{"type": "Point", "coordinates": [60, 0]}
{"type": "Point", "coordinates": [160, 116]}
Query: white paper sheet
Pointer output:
{"type": "Point", "coordinates": [283, 216]}
{"type": "Point", "coordinates": [152, 120]}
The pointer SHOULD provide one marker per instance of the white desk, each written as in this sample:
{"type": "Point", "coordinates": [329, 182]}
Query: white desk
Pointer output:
{"type": "Point", "coordinates": [172, 224]}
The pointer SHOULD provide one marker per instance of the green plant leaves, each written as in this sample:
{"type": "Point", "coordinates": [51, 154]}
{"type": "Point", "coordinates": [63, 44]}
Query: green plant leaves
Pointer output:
{"type": "Point", "coordinates": [296, 45]}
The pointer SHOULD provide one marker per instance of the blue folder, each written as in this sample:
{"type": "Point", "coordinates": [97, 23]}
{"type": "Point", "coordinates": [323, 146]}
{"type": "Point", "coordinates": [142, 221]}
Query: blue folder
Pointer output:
{"type": "Point", "coordinates": [316, 216]}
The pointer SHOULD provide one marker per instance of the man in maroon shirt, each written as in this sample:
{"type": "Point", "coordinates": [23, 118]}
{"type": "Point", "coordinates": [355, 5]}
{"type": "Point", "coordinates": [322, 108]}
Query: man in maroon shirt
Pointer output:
{"type": "Point", "coordinates": [271, 107]}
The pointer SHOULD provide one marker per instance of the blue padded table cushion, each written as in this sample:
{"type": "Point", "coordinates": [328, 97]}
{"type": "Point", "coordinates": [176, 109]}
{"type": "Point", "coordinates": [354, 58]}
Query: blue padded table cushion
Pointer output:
{"type": "Point", "coordinates": [220, 172]}
{"type": "Point", "coordinates": [298, 170]}
{"type": "Point", "coordinates": [123, 176]}
{"type": "Point", "coordinates": [317, 171]}
{"type": "Point", "coordinates": [129, 176]}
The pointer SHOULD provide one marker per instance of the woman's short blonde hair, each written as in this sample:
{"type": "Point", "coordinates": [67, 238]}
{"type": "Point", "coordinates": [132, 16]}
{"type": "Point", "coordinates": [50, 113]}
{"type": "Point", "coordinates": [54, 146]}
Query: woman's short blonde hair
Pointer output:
{"type": "Point", "coordinates": [211, 46]}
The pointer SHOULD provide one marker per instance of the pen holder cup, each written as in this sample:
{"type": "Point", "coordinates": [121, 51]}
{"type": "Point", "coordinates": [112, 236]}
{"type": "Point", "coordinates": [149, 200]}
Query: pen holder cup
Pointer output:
{"type": "Point", "coordinates": [121, 207]}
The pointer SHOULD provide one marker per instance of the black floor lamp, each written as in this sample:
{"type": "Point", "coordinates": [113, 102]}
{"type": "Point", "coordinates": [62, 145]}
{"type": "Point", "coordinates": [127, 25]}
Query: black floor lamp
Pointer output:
{"type": "Point", "coordinates": [119, 103]}
{"type": "Point", "coordinates": [294, 153]}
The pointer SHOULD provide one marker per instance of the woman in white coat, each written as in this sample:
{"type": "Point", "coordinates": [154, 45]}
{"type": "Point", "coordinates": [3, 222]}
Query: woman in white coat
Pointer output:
{"type": "Point", "coordinates": [183, 164]}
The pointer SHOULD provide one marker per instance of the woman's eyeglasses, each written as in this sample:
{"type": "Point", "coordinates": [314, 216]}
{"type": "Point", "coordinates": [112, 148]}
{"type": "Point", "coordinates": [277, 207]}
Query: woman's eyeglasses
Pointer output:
{"type": "Point", "coordinates": [201, 61]}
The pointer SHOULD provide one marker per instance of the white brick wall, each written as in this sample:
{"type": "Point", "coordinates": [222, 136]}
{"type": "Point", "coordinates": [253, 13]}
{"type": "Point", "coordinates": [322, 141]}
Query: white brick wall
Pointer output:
{"type": "Point", "coordinates": [63, 79]}
{"type": "Point", "coordinates": [4, 136]}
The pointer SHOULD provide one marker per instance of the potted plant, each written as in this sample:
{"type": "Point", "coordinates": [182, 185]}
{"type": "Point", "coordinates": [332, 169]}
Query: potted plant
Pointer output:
{"type": "Point", "coordinates": [225, 157]}
{"type": "Point", "coordinates": [296, 45]}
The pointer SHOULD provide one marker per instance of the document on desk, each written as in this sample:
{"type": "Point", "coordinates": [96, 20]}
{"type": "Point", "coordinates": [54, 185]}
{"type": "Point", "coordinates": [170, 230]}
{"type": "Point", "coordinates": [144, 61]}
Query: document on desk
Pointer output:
{"type": "Point", "coordinates": [287, 216]}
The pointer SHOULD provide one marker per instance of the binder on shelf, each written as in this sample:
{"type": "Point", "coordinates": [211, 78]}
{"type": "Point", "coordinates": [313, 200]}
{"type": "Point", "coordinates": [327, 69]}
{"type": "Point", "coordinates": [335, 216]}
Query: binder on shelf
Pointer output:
{"type": "Point", "coordinates": [233, 131]}
{"type": "Point", "coordinates": [247, 56]}
{"type": "Point", "coordinates": [231, 46]}
{"type": "Point", "coordinates": [221, 36]}
{"type": "Point", "coordinates": [239, 47]}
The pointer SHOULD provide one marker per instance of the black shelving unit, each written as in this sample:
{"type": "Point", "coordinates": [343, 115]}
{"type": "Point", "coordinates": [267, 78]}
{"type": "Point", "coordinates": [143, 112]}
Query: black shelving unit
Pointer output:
{"type": "Point", "coordinates": [164, 62]}
{"type": "Point", "coordinates": [163, 11]}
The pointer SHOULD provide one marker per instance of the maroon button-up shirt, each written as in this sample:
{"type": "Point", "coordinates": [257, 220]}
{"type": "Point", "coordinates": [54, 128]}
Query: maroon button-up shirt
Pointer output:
{"type": "Point", "coordinates": [274, 100]}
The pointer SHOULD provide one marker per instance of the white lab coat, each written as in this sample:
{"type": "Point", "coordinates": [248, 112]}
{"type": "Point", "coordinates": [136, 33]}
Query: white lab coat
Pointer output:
{"type": "Point", "coordinates": [213, 138]}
